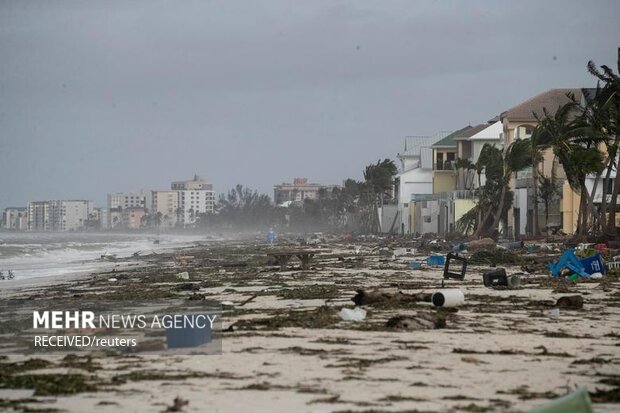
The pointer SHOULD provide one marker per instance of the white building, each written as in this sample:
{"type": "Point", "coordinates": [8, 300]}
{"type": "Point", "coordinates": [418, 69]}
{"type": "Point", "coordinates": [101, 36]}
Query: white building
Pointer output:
{"type": "Point", "coordinates": [194, 197]}
{"type": "Point", "coordinates": [192, 203]}
{"type": "Point", "coordinates": [38, 216]}
{"type": "Point", "coordinates": [59, 215]}
{"type": "Point", "coordinates": [15, 218]}
{"type": "Point", "coordinates": [416, 174]}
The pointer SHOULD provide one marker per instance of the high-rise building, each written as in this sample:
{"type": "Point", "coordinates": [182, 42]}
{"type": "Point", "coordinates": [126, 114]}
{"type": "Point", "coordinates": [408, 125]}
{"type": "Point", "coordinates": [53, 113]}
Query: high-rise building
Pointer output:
{"type": "Point", "coordinates": [164, 207]}
{"type": "Point", "coordinates": [59, 215]}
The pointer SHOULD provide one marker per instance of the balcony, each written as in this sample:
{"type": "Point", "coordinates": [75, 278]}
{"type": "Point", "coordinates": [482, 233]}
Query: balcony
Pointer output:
{"type": "Point", "coordinates": [444, 166]}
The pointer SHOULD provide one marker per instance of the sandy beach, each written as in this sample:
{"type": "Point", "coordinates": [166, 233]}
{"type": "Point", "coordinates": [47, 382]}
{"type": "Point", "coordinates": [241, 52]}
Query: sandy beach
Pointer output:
{"type": "Point", "coordinates": [285, 348]}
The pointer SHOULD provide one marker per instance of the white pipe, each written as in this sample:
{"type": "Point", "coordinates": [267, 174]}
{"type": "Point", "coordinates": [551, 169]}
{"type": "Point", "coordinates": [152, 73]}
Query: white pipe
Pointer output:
{"type": "Point", "coordinates": [448, 297]}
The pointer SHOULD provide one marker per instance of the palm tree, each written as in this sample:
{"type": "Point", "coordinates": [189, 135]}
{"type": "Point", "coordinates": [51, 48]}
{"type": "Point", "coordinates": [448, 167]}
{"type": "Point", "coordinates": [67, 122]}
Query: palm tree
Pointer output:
{"type": "Point", "coordinates": [540, 143]}
{"type": "Point", "coordinates": [611, 93]}
{"type": "Point", "coordinates": [379, 182]}
{"type": "Point", "coordinates": [517, 157]}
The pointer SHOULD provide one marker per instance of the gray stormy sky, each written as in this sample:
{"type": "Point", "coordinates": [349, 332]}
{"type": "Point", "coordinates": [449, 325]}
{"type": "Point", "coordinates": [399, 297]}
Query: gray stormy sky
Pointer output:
{"type": "Point", "coordinates": [98, 97]}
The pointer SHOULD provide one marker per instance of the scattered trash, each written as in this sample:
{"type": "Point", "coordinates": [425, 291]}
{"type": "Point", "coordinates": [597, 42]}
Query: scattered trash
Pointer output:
{"type": "Point", "coordinates": [512, 245]}
{"type": "Point", "coordinates": [593, 264]}
{"type": "Point", "coordinates": [553, 313]}
{"type": "Point", "coordinates": [483, 243]}
{"type": "Point", "coordinates": [112, 280]}
{"type": "Point", "coordinates": [178, 405]}
{"type": "Point", "coordinates": [436, 260]}
{"type": "Point", "coordinates": [357, 314]}
{"type": "Point", "coordinates": [575, 402]}
{"type": "Point", "coordinates": [228, 303]}
{"type": "Point", "coordinates": [183, 275]}
{"type": "Point", "coordinates": [9, 275]}
{"type": "Point", "coordinates": [415, 265]}
{"type": "Point", "coordinates": [568, 261]}
{"type": "Point", "coordinates": [455, 267]}
{"type": "Point", "coordinates": [448, 297]}
{"type": "Point", "coordinates": [498, 277]}
{"type": "Point", "coordinates": [108, 256]}
{"type": "Point", "coordinates": [570, 301]}
{"type": "Point", "coordinates": [421, 321]}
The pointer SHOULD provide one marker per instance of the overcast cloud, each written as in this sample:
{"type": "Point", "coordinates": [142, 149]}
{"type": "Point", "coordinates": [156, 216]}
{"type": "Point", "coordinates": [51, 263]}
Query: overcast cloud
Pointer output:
{"type": "Point", "coordinates": [99, 97]}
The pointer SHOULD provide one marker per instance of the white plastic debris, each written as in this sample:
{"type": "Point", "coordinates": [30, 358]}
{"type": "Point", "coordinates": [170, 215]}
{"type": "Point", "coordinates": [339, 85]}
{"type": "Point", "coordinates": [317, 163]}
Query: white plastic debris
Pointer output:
{"type": "Point", "coordinates": [596, 275]}
{"type": "Point", "coordinates": [229, 303]}
{"type": "Point", "coordinates": [554, 313]}
{"type": "Point", "coordinates": [448, 297]}
{"type": "Point", "coordinates": [112, 280]}
{"type": "Point", "coordinates": [357, 314]}
{"type": "Point", "coordinates": [183, 275]}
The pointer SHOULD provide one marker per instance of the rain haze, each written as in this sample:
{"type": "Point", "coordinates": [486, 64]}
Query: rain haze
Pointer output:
{"type": "Point", "coordinates": [98, 97]}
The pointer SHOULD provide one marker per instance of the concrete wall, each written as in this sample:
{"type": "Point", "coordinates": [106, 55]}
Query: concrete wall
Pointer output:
{"type": "Point", "coordinates": [444, 182]}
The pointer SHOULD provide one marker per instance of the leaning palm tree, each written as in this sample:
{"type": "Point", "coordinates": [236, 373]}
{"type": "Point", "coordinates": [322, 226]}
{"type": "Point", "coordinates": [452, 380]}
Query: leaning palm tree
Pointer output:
{"type": "Point", "coordinates": [379, 182]}
{"type": "Point", "coordinates": [517, 157]}
{"type": "Point", "coordinates": [610, 92]}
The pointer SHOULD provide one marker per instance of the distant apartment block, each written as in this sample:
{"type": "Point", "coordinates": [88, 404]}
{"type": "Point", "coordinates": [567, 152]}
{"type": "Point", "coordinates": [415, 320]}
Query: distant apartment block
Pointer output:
{"type": "Point", "coordinates": [192, 203]}
{"type": "Point", "coordinates": [119, 201]}
{"type": "Point", "coordinates": [59, 215]}
{"type": "Point", "coordinates": [15, 218]}
{"type": "Point", "coordinates": [195, 184]}
{"type": "Point", "coordinates": [300, 190]}
{"type": "Point", "coordinates": [133, 217]}
{"type": "Point", "coordinates": [164, 206]}
{"type": "Point", "coordinates": [39, 216]}
{"type": "Point", "coordinates": [194, 197]}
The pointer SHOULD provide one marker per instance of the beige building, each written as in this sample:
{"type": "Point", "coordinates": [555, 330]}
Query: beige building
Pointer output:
{"type": "Point", "coordinates": [195, 184]}
{"type": "Point", "coordinates": [164, 206]}
{"type": "Point", "coordinates": [518, 123]}
{"type": "Point", "coordinates": [298, 191]}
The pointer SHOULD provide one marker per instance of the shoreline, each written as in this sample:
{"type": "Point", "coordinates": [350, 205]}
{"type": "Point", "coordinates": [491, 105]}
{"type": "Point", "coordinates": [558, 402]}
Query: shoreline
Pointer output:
{"type": "Point", "coordinates": [285, 347]}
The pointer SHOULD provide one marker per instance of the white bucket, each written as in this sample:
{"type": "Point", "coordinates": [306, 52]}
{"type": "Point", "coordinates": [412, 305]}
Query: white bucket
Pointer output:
{"type": "Point", "coordinates": [448, 297]}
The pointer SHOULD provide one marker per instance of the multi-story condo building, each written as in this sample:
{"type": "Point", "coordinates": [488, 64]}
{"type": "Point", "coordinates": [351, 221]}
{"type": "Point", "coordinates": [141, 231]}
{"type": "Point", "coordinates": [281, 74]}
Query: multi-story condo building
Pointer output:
{"type": "Point", "coordinates": [164, 207]}
{"type": "Point", "coordinates": [298, 191]}
{"type": "Point", "coordinates": [15, 218]}
{"type": "Point", "coordinates": [58, 215]}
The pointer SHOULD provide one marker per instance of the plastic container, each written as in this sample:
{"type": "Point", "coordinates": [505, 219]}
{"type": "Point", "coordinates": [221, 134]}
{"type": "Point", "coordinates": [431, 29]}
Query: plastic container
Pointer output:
{"type": "Point", "coordinates": [436, 260]}
{"type": "Point", "coordinates": [448, 297]}
{"type": "Point", "coordinates": [495, 277]}
{"type": "Point", "coordinates": [415, 265]}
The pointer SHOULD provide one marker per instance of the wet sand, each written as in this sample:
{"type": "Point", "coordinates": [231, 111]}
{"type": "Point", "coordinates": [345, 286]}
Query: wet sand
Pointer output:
{"type": "Point", "coordinates": [286, 349]}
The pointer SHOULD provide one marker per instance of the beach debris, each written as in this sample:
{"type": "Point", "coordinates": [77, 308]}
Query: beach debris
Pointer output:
{"type": "Point", "coordinates": [108, 256]}
{"type": "Point", "coordinates": [228, 303]}
{"type": "Point", "coordinates": [482, 243]}
{"type": "Point", "coordinates": [455, 267]}
{"type": "Point", "coordinates": [511, 245]}
{"type": "Point", "coordinates": [436, 260]}
{"type": "Point", "coordinates": [498, 277]}
{"type": "Point", "coordinates": [178, 405]}
{"type": "Point", "coordinates": [381, 297]}
{"type": "Point", "coordinates": [356, 314]}
{"type": "Point", "coordinates": [415, 265]}
{"type": "Point", "coordinates": [575, 402]}
{"type": "Point", "coordinates": [420, 321]}
{"type": "Point", "coordinates": [112, 280]}
{"type": "Point", "coordinates": [569, 264]}
{"type": "Point", "coordinates": [574, 302]}
{"type": "Point", "coordinates": [183, 275]}
{"type": "Point", "coordinates": [448, 297]}
{"type": "Point", "coordinates": [8, 276]}
{"type": "Point", "coordinates": [553, 313]}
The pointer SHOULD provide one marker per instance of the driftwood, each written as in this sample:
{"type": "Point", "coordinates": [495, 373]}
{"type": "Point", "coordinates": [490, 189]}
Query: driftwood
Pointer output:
{"type": "Point", "coordinates": [420, 321]}
{"type": "Point", "coordinates": [570, 301]}
{"type": "Point", "coordinates": [380, 297]}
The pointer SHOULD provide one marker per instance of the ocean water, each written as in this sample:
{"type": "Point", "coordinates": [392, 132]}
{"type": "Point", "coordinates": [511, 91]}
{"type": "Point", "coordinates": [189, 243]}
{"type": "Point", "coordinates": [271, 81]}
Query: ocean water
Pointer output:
{"type": "Point", "coordinates": [31, 255]}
